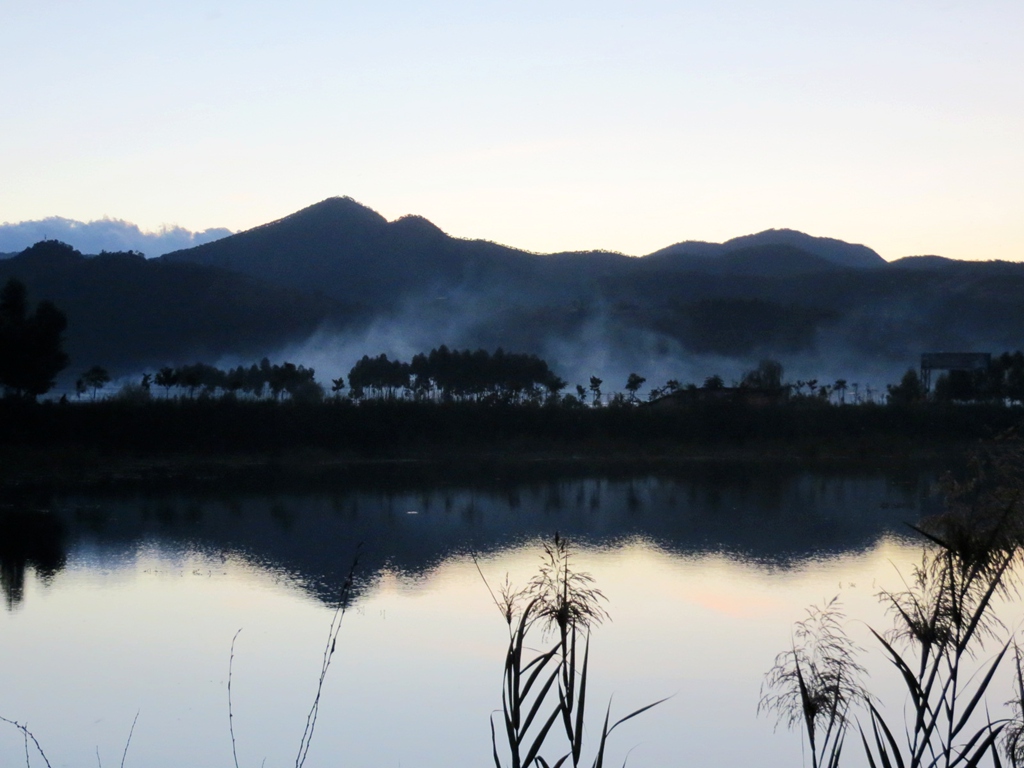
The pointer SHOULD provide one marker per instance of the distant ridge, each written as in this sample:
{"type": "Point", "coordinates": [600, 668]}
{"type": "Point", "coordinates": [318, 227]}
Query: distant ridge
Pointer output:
{"type": "Point", "coordinates": [831, 250]}
{"type": "Point", "coordinates": [923, 262]}
{"type": "Point", "coordinates": [342, 277]}
{"type": "Point", "coordinates": [764, 260]}
{"type": "Point", "coordinates": [351, 252]}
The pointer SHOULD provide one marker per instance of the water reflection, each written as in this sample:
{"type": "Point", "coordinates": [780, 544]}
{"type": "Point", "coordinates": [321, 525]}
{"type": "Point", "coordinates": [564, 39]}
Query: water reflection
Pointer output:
{"type": "Point", "coordinates": [140, 592]}
{"type": "Point", "coordinates": [775, 516]}
{"type": "Point", "coordinates": [29, 538]}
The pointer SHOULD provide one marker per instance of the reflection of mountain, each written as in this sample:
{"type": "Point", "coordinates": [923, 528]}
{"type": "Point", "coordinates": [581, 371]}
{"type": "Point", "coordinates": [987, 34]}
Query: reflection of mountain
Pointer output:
{"type": "Point", "coordinates": [775, 517]}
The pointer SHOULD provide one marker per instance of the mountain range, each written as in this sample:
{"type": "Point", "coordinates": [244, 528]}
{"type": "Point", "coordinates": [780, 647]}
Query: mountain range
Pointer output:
{"type": "Point", "coordinates": [337, 280]}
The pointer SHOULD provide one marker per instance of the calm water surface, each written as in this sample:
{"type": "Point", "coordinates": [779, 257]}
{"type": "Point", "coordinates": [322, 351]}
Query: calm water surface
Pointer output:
{"type": "Point", "coordinates": [129, 605]}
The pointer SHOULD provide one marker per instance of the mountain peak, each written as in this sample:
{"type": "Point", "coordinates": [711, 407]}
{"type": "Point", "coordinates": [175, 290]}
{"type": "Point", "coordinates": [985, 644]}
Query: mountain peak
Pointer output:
{"type": "Point", "coordinates": [333, 211]}
{"type": "Point", "coordinates": [829, 248]}
{"type": "Point", "coordinates": [416, 225]}
{"type": "Point", "coordinates": [51, 252]}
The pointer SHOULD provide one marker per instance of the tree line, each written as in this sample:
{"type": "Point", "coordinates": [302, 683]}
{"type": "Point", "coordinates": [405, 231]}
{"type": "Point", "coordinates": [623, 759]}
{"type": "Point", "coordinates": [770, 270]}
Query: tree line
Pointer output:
{"type": "Point", "coordinates": [32, 356]}
{"type": "Point", "coordinates": [277, 382]}
{"type": "Point", "coordinates": [1001, 381]}
{"type": "Point", "coordinates": [452, 375]}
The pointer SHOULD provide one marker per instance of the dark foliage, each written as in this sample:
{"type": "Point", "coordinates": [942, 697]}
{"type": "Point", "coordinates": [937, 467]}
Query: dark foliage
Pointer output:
{"type": "Point", "coordinates": [96, 378]}
{"type": "Point", "coordinates": [943, 617]}
{"type": "Point", "coordinates": [127, 312]}
{"type": "Point", "coordinates": [420, 428]}
{"type": "Point", "coordinates": [1003, 380]}
{"type": "Point", "coordinates": [457, 375]}
{"type": "Point", "coordinates": [767, 376]}
{"type": "Point", "coordinates": [255, 382]}
{"type": "Point", "coordinates": [909, 390]}
{"type": "Point", "coordinates": [31, 344]}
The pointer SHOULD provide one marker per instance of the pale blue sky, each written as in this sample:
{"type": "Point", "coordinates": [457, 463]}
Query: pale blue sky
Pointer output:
{"type": "Point", "coordinates": [549, 126]}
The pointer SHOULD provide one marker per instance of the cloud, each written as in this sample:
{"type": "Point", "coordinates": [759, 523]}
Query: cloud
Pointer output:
{"type": "Point", "coordinates": [102, 235]}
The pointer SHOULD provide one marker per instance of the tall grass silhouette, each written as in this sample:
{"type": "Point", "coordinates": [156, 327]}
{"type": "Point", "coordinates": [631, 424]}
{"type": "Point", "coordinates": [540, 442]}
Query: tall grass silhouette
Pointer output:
{"type": "Point", "coordinates": [546, 686]}
{"type": "Point", "coordinates": [943, 618]}
{"type": "Point", "coordinates": [815, 684]}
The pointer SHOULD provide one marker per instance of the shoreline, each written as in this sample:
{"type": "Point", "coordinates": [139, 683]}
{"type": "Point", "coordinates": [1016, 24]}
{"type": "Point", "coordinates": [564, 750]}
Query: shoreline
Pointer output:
{"type": "Point", "coordinates": [26, 469]}
{"type": "Point", "coordinates": [118, 444]}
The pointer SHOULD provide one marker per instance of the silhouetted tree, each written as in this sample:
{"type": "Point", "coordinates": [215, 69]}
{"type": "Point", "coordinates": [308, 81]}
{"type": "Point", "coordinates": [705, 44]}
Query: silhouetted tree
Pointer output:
{"type": "Point", "coordinates": [166, 377]}
{"type": "Point", "coordinates": [379, 375]}
{"type": "Point", "coordinates": [840, 387]}
{"type": "Point", "coordinates": [909, 390]}
{"type": "Point", "coordinates": [96, 378]}
{"type": "Point", "coordinates": [300, 384]}
{"type": "Point", "coordinates": [188, 377]}
{"type": "Point", "coordinates": [554, 385]}
{"type": "Point", "coordinates": [234, 380]}
{"type": "Point", "coordinates": [714, 382]}
{"type": "Point", "coordinates": [634, 383]}
{"type": "Point", "coordinates": [767, 375]}
{"type": "Point", "coordinates": [964, 386]}
{"type": "Point", "coordinates": [458, 375]}
{"type": "Point", "coordinates": [31, 345]}
{"type": "Point", "coordinates": [595, 389]}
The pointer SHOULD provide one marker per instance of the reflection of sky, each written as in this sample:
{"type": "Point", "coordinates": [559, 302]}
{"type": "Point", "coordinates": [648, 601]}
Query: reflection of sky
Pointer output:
{"type": "Point", "coordinates": [547, 126]}
{"type": "Point", "coordinates": [419, 658]}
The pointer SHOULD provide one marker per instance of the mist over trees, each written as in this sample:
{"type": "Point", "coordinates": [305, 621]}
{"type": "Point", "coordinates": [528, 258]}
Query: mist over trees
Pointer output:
{"type": "Point", "coordinates": [265, 380]}
{"type": "Point", "coordinates": [829, 308]}
{"type": "Point", "coordinates": [478, 376]}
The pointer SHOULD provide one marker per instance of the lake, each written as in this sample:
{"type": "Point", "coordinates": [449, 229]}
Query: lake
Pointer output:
{"type": "Point", "coordinates": [124, 603]}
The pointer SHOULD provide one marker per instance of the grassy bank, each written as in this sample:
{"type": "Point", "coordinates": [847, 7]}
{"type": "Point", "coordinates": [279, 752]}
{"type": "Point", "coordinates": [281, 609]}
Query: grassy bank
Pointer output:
{"type": "Point", "coordinates": [108, 441]}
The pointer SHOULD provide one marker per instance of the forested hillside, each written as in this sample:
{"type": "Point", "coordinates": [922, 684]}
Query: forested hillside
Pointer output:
{"type": "Point", "coordinates": [126, 312]}
{"type": "Point", "coordinates": [369, 286]}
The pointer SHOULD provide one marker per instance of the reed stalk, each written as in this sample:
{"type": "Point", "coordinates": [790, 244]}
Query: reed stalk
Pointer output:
{"type": "Point", "coordinates": [816, 683]}
{"type": "Point", "coordinates": [942, 620]}
{"type": "Point", "coordinates": [541, 688]}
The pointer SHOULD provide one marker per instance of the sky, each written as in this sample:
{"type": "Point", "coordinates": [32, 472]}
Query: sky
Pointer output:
{"type": "Point", "coordinates": [549, 126]}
